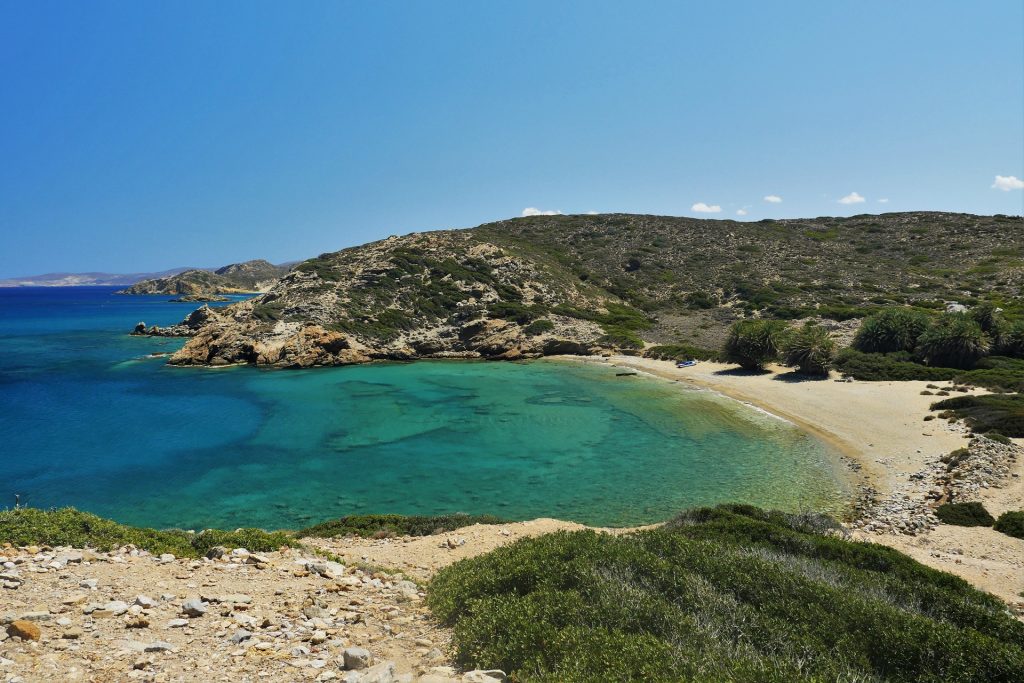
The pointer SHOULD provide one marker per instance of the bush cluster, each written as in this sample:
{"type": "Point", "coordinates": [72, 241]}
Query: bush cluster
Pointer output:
{"type": "Point", "coordinates": [1001, 413]}
{"type": "Point", "coordinates": [964, 514]}
{"type": "Point", "coordinates": [71, 527]}
{"type": "Point", "coordinates": [730, 593]}
{"type": "Point", "coordinates": [681, 352]}
{"type": "Point", "coordinates": [752, 344]}
{"type": "Point", "coordinates": [1011, 524]}
{"type": "Point", "coordinates": [890, 330]}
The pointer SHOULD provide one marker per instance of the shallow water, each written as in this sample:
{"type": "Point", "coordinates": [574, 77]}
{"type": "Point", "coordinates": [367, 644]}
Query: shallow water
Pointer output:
{"type": "Point", "coordinates": [87, 419]}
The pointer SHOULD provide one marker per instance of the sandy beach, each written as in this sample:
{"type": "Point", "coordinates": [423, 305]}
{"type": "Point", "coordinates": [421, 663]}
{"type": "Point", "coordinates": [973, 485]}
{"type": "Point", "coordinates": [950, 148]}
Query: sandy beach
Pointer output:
{"type": "Point", "coordinates": [881, 427]}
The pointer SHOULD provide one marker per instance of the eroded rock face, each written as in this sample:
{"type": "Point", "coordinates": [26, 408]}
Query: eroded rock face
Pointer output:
{"type": "Point", "coordinates": [436, 295]}
{"type": "Point", "coordinates": [186, 328]}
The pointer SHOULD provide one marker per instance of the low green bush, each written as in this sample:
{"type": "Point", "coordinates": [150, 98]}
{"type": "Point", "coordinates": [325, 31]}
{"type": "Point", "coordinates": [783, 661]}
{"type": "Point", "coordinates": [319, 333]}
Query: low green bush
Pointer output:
{"type": "Point", "coordinates": [994, 372]}
{"type": "Point", "coordinates": [1002, 413]}
{"type": "Point", "coordinates": [1011, 524]}
{"type": "Point", "coordinates": [621, 339]}
{"type": "Point", "coordinates": [725, 594]}
{"type": "Point", "coordinates": [539, 327]}
{"type": "Point", "coordinates": [884, 367]}
{"type": "Point", "coordinates": [71, 527]}
{"type": "Point", "coordinates": [964, 514]}
{"type": "Point", "coordinates": [681, 352]}
{"type": "Point", "coordinates": [393, 525]}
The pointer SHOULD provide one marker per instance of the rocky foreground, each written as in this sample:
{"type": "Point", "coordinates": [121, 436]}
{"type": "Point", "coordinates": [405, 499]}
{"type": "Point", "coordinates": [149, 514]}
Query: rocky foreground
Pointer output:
{"type": "Point", "coordinates": [79, 615]}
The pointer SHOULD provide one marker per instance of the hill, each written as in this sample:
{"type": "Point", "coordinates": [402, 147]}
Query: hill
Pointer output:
{"type": "Point", "coordinates": [555, 284]}
{"type": "Point", "coordinates": [237, 278]}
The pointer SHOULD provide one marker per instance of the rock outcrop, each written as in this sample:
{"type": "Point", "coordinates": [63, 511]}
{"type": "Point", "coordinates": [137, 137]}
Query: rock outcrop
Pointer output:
{"type": "Point", "coordinates": [434, 295]}
{"type": "Point", "coordinates": [195, 321]}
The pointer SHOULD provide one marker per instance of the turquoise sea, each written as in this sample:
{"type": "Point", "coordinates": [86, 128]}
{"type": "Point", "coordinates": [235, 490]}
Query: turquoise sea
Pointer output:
{"type": "Point", "coordinates": [88, 419]}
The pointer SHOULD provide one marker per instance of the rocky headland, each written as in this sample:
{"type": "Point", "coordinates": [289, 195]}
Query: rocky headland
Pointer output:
{"type": "Point", "coordinates": [203, 285]}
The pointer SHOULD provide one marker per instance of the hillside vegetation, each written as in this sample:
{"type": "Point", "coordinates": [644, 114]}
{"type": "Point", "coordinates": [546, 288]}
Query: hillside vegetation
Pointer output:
{"type": "Point", "coordinates": [731, 593]}
{"type": "Point", "coordinates": [578, 284]}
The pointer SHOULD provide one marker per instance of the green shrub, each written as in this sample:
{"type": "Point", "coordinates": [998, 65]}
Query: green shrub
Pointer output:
{"type": "Point", "coordinates": [884, 367]}
{"type": "Point", "coordinates": [394, 525]}
{"type": "Point", "coordinates": [1011, 524]}
{"type": "Point", "coordinates": [621, 338]}
{"type": "Point", "coordinates": [70, 527]}
{"type": "Point", "coordinates": [724, 594]}
{"type": "Point", "coordinates": [1010, 341]}
{"type": "Point", "coordinates": [681, 352]}
{"type": "Point", "coordinates": [515, 311]}
{"type": "Point", "coordinates": [964, 514]}
{"type": "Point", "coordinates": [986, 316]}
{"type": "Point", "coordinates": [998, 438]}
{"type": "Point", "coordinates": [1002, 413]}
{"type": "Point", "coordinates": [956, 457]}
{"type": "Point", "coordinates": [753, 343]}
{"type": "Point", "coordinates": [539, 327]}
{"type": "Point", "coordinates": [810, 350]}
{"type": "Point", "coordinates": [701, 300]}
{"type": "Point", "coordinates": [891, 329]}
{"type": "Point", "coordinates": [953, 340]}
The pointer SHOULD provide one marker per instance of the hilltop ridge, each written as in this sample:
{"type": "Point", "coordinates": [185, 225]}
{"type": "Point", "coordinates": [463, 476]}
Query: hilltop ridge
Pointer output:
{"type": "Point", "coordinates": [580, 284]}
{"type": "Point", "coordinates": [237, 278]}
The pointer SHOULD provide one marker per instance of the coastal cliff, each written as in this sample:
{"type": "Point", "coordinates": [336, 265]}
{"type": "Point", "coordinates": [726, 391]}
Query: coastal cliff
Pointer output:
{"type": "Point", "coordinates": [588, 284]}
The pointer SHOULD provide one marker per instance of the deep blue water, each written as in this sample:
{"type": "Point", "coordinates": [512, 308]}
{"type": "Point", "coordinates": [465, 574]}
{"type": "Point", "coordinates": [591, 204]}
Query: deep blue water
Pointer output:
{"type": "Point", "coordinates": [88, 418]}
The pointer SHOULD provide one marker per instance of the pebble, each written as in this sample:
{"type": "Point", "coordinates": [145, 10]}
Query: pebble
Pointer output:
{"type": "Point", "coordinates": [116, 607]}
{"type": "Point", "coordinates": [356, 658]}
{"type": "Point", "coordinates": [145, 602]}
{"type": "Point", "coordinates": [26, 630]}
{"type": "Point", "coordinates": [240, 636]}
{"type": "Point", "coordinates": [195, 608]}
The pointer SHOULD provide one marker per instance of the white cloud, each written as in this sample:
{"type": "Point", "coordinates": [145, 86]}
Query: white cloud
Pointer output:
{"type": "Point", "coordinates": [852, 198]}
{"type": "Point", "coordinates": [884, 200]}
{"type": "Point", "coordinates": [592, 213]}
{"type": "Point", "coordinates": [773, 199]}
{"type": "Point", "coordinates": [741, 212]}
{"type": "Point", "coordinates": [532, 211]}
{"type": "Point", "coordinates": [1007, 183]}
{"type": "Point", "coordinates": [701, 207]}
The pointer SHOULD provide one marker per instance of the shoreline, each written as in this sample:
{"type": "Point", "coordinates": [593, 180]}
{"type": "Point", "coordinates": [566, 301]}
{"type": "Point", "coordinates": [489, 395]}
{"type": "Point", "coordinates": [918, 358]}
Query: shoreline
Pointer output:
{"type": "Point", "coordinates": [880, 426]}
{"type": "Point", "coordinates": [861, 420]}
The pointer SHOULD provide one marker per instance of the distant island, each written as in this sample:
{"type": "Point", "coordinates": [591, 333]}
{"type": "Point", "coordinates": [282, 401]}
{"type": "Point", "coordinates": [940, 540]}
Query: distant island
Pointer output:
{"type": "Point", "coordinates": [87, 279]}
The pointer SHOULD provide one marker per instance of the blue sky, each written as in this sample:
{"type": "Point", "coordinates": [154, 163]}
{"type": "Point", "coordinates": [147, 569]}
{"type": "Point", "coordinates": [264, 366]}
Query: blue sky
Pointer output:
{"type": "Point", "coordinates": [141, 136]}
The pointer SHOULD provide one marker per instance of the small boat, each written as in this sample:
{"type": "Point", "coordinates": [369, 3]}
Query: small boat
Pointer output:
{"type": "Point", "coordinates": [625, 374]}
{"type": "Point", "coordinates": [686, 363]}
